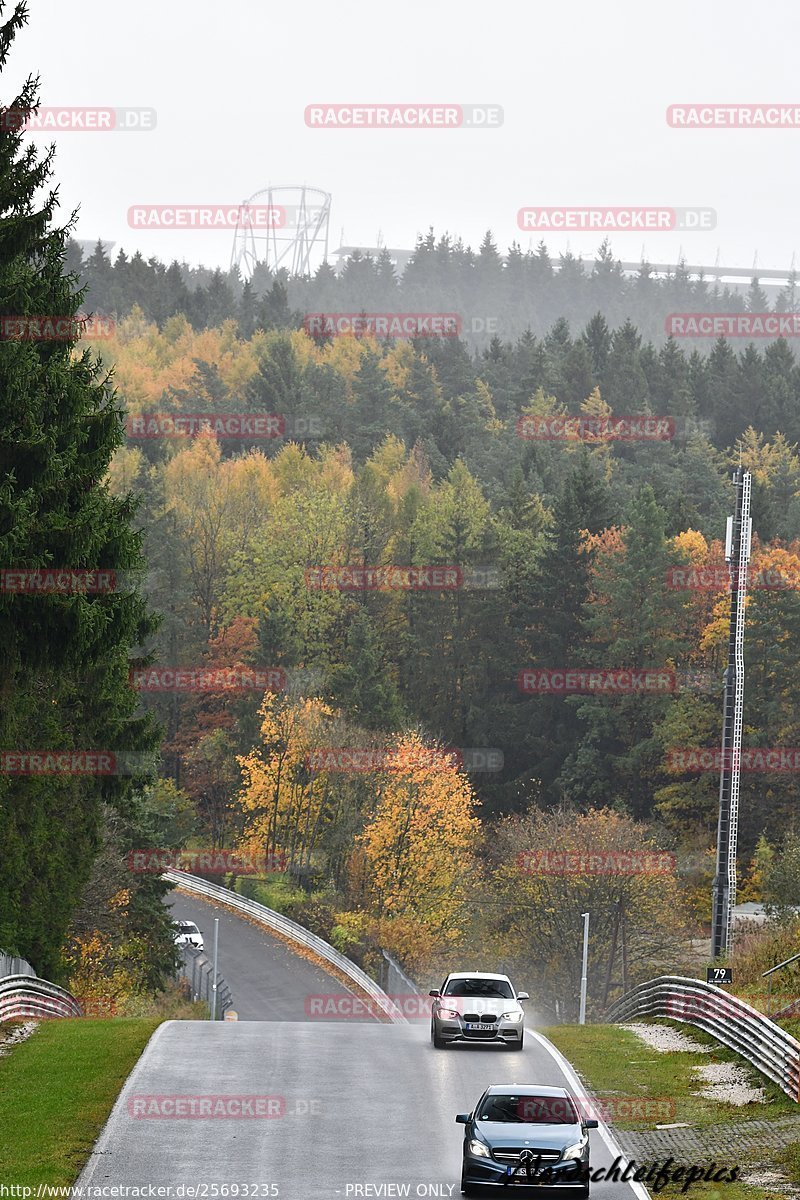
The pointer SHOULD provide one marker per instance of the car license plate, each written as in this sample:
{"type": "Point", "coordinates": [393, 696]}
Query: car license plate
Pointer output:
{"type": "Point", "coordinates": [477, 1025]}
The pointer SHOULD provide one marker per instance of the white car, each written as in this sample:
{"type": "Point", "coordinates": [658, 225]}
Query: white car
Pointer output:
{"type": "Point", "coordinates": [187, 934]}
{"type": "Point", "coordinates": [474, 1006]}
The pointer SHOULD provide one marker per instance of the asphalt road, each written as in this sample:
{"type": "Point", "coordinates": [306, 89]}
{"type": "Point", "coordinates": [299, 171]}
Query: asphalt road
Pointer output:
{"type": "Point", "coordinates": [268, 981]}
{"type": "Point", "coordinates": [368, 1111]}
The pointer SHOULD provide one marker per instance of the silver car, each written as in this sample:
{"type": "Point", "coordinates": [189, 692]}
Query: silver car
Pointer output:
{"type": "Point", "coordinates": [475, 1006]}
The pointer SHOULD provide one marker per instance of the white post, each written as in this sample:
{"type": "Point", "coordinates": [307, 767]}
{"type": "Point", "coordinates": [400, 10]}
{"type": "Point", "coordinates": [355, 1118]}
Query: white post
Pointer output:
{"type": "Point", "coordinates": [214, 978]}
{"type": "Point", "coordinates": [584, 968]}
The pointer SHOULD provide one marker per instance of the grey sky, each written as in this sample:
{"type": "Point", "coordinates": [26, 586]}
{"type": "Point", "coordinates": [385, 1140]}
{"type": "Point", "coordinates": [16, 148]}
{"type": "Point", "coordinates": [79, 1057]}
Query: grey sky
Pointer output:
{"type": "Point", "coordinates": [584, 88]}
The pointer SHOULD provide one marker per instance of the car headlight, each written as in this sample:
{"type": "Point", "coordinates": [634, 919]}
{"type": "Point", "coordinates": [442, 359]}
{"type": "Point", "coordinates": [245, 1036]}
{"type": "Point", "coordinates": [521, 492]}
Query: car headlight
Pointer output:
{"type": "Point", "coordinates": [512, 1016]}
{"type": "Point", "coordinates": [448, 1012]}
{"type": "Point", "coordinates": [479, 1149]}
{"type": "Point", "coordinates": [573, 1152]}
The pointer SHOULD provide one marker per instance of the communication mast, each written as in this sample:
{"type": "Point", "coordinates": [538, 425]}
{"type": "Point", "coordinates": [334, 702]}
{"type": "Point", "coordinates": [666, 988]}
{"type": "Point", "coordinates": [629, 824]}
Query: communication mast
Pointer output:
{"type": "Point", "coordinates": [737, 554]}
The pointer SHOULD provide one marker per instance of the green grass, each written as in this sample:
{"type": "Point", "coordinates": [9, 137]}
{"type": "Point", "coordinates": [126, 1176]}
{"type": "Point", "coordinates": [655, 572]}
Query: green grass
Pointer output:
{"type": "Point", "coordinates": [56, 1091]}
{"type": "Point", "coordinates": [615, 1063]}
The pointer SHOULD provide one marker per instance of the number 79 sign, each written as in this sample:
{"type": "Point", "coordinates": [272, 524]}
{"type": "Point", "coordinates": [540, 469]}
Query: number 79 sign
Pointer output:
{"type": "Point", "coordinates": [719, 975]}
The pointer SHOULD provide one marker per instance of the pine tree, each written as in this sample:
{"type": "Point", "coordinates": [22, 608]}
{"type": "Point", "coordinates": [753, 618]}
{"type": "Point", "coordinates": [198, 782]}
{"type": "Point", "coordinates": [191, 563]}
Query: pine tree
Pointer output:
{"type": "Point", "coordinates": [63, 656]}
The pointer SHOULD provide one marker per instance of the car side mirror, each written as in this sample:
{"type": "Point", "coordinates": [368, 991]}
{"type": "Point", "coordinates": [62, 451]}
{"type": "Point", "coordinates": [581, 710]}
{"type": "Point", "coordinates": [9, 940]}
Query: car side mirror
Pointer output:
{"type": "Point", "coordinates": [523, 996]}
{"type": "Point", "coordinates": [463, 1118]}
{"type": "Point", "coordinates": [435, 992]}
{"type": "Point", "coordinates": [592, 1124]}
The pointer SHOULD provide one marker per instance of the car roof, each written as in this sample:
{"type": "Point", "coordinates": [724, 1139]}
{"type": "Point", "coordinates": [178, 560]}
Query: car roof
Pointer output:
{"type": "Point", "coordinates": [525, 1089]}
{"type": "Point", "coordinates": [477, 975]}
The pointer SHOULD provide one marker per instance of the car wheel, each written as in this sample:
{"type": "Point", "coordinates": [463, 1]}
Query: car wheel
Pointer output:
{"type": "Point", "coordinates": [438, 1043]}
{"type": "Point", "coordinates": [518, 1045]}
{"type": "Point", "coordinates": [469, 1189]}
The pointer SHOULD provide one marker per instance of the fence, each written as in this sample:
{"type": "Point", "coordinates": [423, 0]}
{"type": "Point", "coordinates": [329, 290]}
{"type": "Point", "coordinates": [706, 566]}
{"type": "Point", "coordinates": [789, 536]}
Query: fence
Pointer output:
{"type": "Point", "coordinates": [736, 1024]}
{"type": "Point", "coordinates": [269, 919]}
{"type": "Point", "coordinates": [198, 971]}
{"type": "Point", "coordinates": [26, 996]}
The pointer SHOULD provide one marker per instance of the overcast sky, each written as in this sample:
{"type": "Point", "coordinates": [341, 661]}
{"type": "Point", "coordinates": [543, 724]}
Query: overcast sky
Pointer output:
{"type": "Point", "coordinates": [584, 89]}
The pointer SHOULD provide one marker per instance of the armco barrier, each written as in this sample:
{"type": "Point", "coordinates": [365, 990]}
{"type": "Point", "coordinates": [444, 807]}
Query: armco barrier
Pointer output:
{"type": "Point", "coordinates": [27, 996]}
{"type": "Point", "coordinates": [197, 969]}
{"type": "Point", "coordinates": [738, 1025]}
{"type": "Point", "coordinates": [291, 930]}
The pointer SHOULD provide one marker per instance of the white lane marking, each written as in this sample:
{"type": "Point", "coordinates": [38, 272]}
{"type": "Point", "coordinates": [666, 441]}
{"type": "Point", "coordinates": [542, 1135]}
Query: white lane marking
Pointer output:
{"type": "Point", "coordinates": [569, 1074]}
{"type": "Point", "coordinates": [115, 1117]}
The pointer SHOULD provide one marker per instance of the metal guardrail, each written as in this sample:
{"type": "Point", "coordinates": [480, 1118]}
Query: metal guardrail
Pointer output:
{"type": "Point", "coordinates": [198, 971]}
{"type": "Point", "coordinates": [290, 929]}
{"type": "Point", "coordinates": [739, 1026]}
{"type": "Point", "coordinates": [28, 996]}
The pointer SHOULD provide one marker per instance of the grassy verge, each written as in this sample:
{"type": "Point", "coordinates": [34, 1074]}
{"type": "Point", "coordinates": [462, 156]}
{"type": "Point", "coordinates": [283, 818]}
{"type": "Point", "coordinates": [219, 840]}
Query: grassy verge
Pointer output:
{"type": "Point", "coordinates": [56, 1091]}
{"type": "Point", "coordinates": [616, 1064]}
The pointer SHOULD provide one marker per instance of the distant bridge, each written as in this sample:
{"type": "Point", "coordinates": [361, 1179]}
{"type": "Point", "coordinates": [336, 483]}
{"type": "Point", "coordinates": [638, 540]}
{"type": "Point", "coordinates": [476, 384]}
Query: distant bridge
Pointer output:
{"type": "Point", "coordinates": [738, 279]}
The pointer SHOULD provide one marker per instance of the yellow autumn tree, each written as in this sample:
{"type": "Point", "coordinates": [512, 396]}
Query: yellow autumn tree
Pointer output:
{"type": "Point", "coordinates": [417, 851]}
{"type": "Point", "coordinates": [282, 801]}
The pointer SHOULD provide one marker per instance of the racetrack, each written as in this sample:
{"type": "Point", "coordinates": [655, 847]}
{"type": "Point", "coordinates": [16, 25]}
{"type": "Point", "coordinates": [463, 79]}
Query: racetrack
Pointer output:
{"type": "Point", "coordinates": [268, 980]}
{"type": "Point", "coordinates": [365, 1104]}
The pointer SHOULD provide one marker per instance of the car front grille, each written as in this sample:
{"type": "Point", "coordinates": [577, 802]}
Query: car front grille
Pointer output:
{"type": "Point", "coordinates": [486, 1018]}
{"type": "Point", "coordinates": [510, 1154]}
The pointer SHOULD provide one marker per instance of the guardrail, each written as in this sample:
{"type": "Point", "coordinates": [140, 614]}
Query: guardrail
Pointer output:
{"type": "Point", "coordinates": [739, 1026]}
{"type": "Point", "coordinates": [28, 996]}
{"type": "Point", "coordinates": [291, 930]}
{"type": "Point", "coordinates": [198, 971]}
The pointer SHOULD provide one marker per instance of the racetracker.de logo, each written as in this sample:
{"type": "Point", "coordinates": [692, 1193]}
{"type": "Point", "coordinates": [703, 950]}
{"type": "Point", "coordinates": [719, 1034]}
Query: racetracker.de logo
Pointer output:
{"type": "Point", "coordinates": [612, 862]}
{"type": "Point", "coordinates": [720, 577]}
{"type": "Point", "coordinates": [401, 579]}
{"type": "Point", "coordinates": [403, 116]}
{"type": "Point", "coordinates": [29, 328]}
{"type": "Point", "coordinates": [612, 1108]}
{"type": "Point", "coordinates": [186, 1107]}
{"type": "Point", "coordinates": [383, 325]}
{"type": "Point", "coordinates": [749, 759]}
{"type": "Point", "coordinates": [36, 581]}
{"type": "Point", "coordinates": [206, 216]}
{"type": "Point", "coordinates": [732, 325]}
{"type": "Point", "coordinates": [211, 862]}
{"type": "Point", "coordinates": [334, 1006]}
{"type": "Point", "coordinates": [549, 681]}
{"type": "Point", "coordinates": [617, 220]}
{"type": "Point", "coordinates": [637, 428]}
{"type": "Point", "coordinates": [243, 427]}
{"type": "Point", "coordinates": [208, 679]}
{"type": "Point", "coordinates": [78, 120]}
{"type": "Point", "coordinates": [75, 762]}
{"type": "Point", "coordinates": [734, 116]}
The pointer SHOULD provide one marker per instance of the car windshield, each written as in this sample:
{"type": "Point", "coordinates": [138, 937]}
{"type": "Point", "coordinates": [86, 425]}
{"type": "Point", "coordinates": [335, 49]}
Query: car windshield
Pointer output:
{"type": "Point", "coordinates": [187, 927]}
{"type": "Point", "coordinates": [479, 987]}
{"type": "Point", "coordinates": [529, 1110]}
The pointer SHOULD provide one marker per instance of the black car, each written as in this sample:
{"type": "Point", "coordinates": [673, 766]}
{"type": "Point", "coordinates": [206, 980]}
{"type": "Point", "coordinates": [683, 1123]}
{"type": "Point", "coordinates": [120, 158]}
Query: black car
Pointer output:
{"type": "Point", "coordinates": [526, 1136]}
